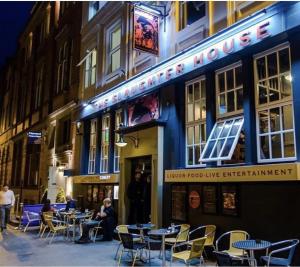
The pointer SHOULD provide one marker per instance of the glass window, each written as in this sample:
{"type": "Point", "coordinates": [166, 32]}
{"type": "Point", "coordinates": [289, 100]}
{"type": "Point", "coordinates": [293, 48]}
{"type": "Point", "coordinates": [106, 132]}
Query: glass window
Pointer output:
{"type": "Point", "coordinates": [195, 120]}
{"type": "Point", "coordinates": [38, 89]}
{"type": "Point", "coordinates": [94, 7]}
{"type": "Point", "coordinates": [274, 106]}
{"type": "Point", "coordinates": [93, 146]}
{"type": "Point", "coordinates": [118, 122]}
{"type": "Point", "coordinates": [114, 48]}
{"type": "Point", "coordinates": [105, 138]}
{"type": "Point", "coordinates": [90, 69]}
{"type": "Point", "coordinates": [190, 12]}
{"type": "Point", "coordinates": [222, 140]}
{"type": "Point", "coordinates": [229, 91]}
{"type": "Point", "coordinates": [63, 68]}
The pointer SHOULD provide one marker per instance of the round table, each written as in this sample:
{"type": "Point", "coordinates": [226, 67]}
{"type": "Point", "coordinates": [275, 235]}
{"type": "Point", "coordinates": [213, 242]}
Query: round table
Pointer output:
{"type": "Point", "coordinates": [163, 233]}
{"type": "Point", "coordinates": [252, 245]}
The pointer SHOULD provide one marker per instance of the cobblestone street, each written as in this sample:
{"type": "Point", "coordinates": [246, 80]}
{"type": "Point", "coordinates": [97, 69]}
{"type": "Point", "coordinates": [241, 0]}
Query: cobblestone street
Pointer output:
{"type": "Point", "coordinates": [26, 249]}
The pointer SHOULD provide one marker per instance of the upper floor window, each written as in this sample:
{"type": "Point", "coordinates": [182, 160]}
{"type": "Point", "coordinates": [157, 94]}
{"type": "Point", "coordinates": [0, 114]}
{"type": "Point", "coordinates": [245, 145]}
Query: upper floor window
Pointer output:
{"type": "Point", "coordinates": [114, 48]}
{"type": "Point", "coordinates": [93, 146]}
{"type": "Point", "coordinates": [195, 120]}
{"type": "Point", "coordinates": [38, 89]}
{"type": "Point", "coordinates": [105, 139]}
{"type": "Point", "coordinates": [274, 106]}
{"type": "Point", "coordinates": [190, 12]}
{"type": "Point", "coordinates": [90, 69]}
{"type": "Point", "coordinates": [65, 131]}
{"type": "Point", "coordinates": [117, 151]}
{"type": "Point", "coordinates": [94, 7]}
{"type": "Point", "coordinates": [63, 68]}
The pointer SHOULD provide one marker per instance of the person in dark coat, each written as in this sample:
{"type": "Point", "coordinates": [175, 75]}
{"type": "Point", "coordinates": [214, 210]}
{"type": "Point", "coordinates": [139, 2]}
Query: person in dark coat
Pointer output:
{"type": "Point", "coordinates": [71, 203]}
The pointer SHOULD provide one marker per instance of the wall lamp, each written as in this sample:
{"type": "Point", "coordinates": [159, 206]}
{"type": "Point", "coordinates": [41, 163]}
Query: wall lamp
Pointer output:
{"type": "Point", "coordinates": [121, 142]}
{"type": "Point", "coordinates": [78, 128]}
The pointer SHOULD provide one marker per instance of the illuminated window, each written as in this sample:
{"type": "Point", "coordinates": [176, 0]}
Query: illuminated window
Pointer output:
{"type": "Point", "coordinates": [105, 138]}
{"type": "Point", "coordinates": [94, 7]}
{"type": "Point", "coordinates": [93, 145]}
{"type": "Point", "coordinates": [274, 106]}
{"type": "Point", "coordinates": [190, 12]}
{"type": "Point", "coordinates": [222, 140]}
{"type": "Point", "coordinates": [90, 69]}
{"type": "Point", "coordinates": [38, 89]}
{"type": "Point", "coordinates": [118, 121]}
{"type": "Point", "coordinates": [114, 48]}
{"type": "Point", "coordinates": [195, 120]}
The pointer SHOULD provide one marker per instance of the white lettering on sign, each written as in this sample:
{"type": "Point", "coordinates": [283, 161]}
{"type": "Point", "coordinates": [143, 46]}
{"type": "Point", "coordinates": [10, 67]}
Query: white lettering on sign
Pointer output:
{"type": "Point", "coordinates": [104, 177]}
{"type": "Point", "coordinates": [195, 58]}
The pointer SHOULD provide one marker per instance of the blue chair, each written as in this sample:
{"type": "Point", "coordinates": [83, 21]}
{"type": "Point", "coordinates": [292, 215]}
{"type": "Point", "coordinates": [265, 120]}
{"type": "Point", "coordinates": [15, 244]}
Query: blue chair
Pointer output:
{"type": "Point", "coordinates": [286, 245]}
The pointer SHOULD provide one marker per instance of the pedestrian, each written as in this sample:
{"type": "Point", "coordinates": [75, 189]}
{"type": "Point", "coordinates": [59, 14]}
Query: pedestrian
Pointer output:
{"type": "Point", "coordinates": [7, 201]}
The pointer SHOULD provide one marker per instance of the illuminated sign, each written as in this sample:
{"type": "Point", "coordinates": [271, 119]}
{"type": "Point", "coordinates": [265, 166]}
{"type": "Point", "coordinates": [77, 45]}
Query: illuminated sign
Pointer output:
{"type": "Point", "coordinates": [231, 41]}
{"type": "Point", "coordinates": [34, 137]}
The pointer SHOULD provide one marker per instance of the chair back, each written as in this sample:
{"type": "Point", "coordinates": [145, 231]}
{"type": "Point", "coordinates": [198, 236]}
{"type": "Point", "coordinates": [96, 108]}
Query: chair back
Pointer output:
{"type": "Point", "coordinates": [48, 219]}
{"type": "Point", "coordinates": [127, 240]}
{"type": "Point", "coordinates": [237, 235]}
{"type": "Point", "coordinates": [122, 229]}
{"type": "Point", "coordinates": [210, 231]}
{"type": "Point", "coordinates": [197, 247]}
{"type": "Point", "coordinates": [294, 243]}
{"type": "Point", "coordinates": [183, 233]}
{"type": "Point", "coordinates": [223, 259]}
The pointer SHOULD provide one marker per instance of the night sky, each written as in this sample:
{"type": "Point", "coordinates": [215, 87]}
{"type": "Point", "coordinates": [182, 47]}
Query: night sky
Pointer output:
{"type": "Point", "coordinates": [13, 18]}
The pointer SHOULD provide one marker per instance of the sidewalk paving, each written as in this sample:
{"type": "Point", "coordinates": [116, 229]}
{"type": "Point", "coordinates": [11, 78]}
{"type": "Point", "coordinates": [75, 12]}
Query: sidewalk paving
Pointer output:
{"type": "Point", "coordinates": [26, 249]}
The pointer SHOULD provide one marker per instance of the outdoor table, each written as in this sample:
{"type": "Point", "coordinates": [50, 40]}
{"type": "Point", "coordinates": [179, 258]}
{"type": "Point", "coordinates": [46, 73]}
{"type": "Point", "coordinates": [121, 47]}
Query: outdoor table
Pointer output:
{"type": "Point", "coordinates": [141, 227]}
{"type": "Point", "coordinates": [163, 233]}
{"type": "Point", "coordinates": [252, 245]}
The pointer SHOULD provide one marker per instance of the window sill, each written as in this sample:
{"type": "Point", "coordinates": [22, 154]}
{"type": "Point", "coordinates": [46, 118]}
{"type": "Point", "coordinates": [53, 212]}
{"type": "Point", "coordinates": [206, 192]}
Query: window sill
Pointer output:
{"type": "Point", "coordinates": [110, 77]}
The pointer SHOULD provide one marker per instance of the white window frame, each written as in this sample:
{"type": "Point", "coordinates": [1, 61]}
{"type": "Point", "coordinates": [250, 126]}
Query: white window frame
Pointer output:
{"type": "Point", "coordinates": [117, 151]}
{"type": "Point", "coordinates": [93, 147]}
{"type": "Point", "coordinates": [110, 51]}
{"type": "Point", "coordinates": [234, 89]}
{"type": "Point", "coordinates": [62, 67]}
{"type": "Point", "coordinates": [194, 123]}
{"type": "Point", "coordinates": [92, 10]}
{"type": "Point", "coordinates": [90, 66]}
{"type": "Point", "coordinates": [38, 89]}
{"type": "Point", "coordinates": [104, 155]}
{"type": "Point", "coordinates": [273, 104]}
{"type": "Point", "coordinates": [225, 138]}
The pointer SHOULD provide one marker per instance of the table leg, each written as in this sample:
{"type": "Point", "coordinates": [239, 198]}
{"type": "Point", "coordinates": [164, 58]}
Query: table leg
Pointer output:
{"type": "Point", "coordinates": [74, 225]}
{"type": "Point", "coordinates": [163, 251]}
{"type": "Point", "coordinates": [252, 259]}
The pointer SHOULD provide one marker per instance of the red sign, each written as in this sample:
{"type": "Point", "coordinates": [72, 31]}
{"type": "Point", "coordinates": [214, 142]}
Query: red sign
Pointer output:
{"type": "Point", "coordinates": [194, 200]}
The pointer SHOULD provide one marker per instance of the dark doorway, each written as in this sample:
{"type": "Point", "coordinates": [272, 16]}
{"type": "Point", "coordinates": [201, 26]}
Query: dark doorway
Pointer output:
{"type": "Point", "coordinates": [139, 190]}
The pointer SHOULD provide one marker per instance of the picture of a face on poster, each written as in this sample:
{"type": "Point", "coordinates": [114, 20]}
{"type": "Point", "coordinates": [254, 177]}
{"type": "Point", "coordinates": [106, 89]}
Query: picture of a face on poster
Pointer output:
{"type": "Point", "coordinates": [146, 31]}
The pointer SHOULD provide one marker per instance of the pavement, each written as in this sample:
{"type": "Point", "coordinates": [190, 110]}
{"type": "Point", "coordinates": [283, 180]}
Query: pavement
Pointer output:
{"type": "Point", "coordinates": [27, 249]}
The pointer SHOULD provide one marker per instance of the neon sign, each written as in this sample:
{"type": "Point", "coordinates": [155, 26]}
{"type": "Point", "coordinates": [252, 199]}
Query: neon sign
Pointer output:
{"type": "Point", "coordinates": [193, 59]}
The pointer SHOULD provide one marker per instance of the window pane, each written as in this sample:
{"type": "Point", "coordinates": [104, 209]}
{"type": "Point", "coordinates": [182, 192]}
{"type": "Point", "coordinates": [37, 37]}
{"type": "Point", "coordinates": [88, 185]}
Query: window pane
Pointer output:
{"type": "Point", "coordinates": [203, 109]}
{"type": "Point", "coordinates": [190, 135]}
{"type": "Point", "coordinates": [203, 132]}
{"type": "Point", "coordinates": [263, 122]}
{"type": "Point", "coordinates": [264, 147]}
{"type": "Point", "coordinates": [94, 58]}
{"type": "Point", "coordinates": [227, 147]}
{"type": "Point", "coordinates": [115, 60]}
{"type": "Point", "coordinates": [289, 149]}
{"type": "Point", "coordinates": [115, 38]}
{"type": "Point", "coordinates": [197, 110]}
{"type": "Point", "coordinates": [226, 129]}
{"type": "Point", "coordinates": [275, 119]}
{"type": "Point", "coordinates": [272, 64]}
{"type": "Point", "coordinates": [197, 154]}
{"type": "Point", "coordinates": [222, 107]}
{"type": "Point", "coordinates": [229, 76]}
{"type": "Point", "coordinates": [262, 92]}
{"type": "Point", "coordinates": [93, 75]}
{"type": "Point", "coordinates": [285, 85]}
{"type": "Point", "coordinates": [190, 94]}
{"type": "Point", "coordinates": [196, 91]}
{"type": "Point", "coordinates": [197, 134]}
{"type": "Point", "coordinates": [218, 148]}
{"type": "Point", "coordinates": [284, 59]}
{"type": "Point", "coordinates": [235, 127]}
{"type": "Point", "coordinates": [210, 146]}
{"type": "Point", "coordinates": [276, 146]}
{"type": "Point", "coordinates": [203, 89]}
{"type": "Point", "coordinates": [261, 68]}
{"type": "Point", "coordinates": [190, 155]}
{"type": "Point", "coordinates": [287, 117]}
{"type": "Point", "coordinates": [230, 101]}
{"type": "Point", "coordinates": [221, 81]}
{"type": "Point", "coordinates": [238, 76]}
{"type": "Point", "coordinates": [217, 130]}
{"type": "Point", "coordinates": [190, 112]}
{"type": "Point", "coordinates": [239, 99]}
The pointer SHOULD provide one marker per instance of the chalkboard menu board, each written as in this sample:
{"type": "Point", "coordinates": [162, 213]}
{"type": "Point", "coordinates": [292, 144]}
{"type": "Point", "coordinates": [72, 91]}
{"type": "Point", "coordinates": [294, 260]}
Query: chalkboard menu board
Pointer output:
{"type": "Point", "coordinates": [210, 199]}
{"type": "Point", "coordinates": [179, 203]}
{"type": "Point", "coordinates": [229, 200]}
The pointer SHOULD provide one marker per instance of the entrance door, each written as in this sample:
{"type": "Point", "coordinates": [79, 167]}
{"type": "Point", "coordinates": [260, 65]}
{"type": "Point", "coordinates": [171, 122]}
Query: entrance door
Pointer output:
{"type": "Point", "coordinates": [139, 190]}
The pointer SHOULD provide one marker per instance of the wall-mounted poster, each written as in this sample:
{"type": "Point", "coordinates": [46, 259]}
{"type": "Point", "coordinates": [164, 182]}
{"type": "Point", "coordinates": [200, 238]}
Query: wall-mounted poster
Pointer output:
{"type": "Point", "coordinates": [145, 31]}
{"type": "Point", "coordinates": [194, 199]}
{"type": "Point", "coordinates": [89, 193]}
{"type": "Point", "coordinates": [179, 203]}
{"type": "Point", "coordinates": [209, 199]}
{"type": "Point", "coordinates": [143, 110]}
{"type": "Point", "coordinates": [95, 193]}
{"type": "Point", "coordinates": [229, 200]}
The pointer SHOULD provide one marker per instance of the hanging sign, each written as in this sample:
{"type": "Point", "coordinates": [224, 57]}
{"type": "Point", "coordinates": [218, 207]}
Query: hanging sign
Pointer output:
{"type": "Point", "coordinates": [145, 31]}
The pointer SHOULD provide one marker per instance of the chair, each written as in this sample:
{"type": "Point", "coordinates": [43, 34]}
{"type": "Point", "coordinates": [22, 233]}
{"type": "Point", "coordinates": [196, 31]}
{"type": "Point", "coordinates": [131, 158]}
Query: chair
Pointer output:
{"type": "Point", "coordinates": [209, 232]}
{"type": "Point", "coordinates": [130, 246]}
{"type": "Point", "coordinates": [43, 225]}
{"type": "Point", "coordinates": [53, 229]}
{"type": "Point", "coordinates": [287, 246]}
{"type": "Point", "coordinates": [223, 259]}
{"type": "Point", "coordinates": [234, 236]}
{"type": "Point", "coordinates": [31, 217]}
{"type": "Point", "coordinates": [182, 236]}
{"type": "Point", "coordinates": [193, 251]}
{"type": "Point", "coordinates": [94, 231]}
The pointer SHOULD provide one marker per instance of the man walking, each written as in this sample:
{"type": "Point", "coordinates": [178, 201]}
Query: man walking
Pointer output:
{"type": "Point", "coordinates": [7, 201]}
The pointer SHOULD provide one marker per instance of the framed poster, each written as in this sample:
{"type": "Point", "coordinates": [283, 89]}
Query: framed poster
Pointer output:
{"type": "Point", "coordinates": [179, 203]}
{"type": "Point", "coordinates": [95, 193]}
{"type": "Point", "coordinates": [229, 200]}
{"type": "Point", "coordinates": [209, 199]}
{"type": "Point", "coordinates": [194, 199]}
{"type": "Point", "coordinates": [89, 193]}
{"type": "Point", "coordinates": [145, 31]}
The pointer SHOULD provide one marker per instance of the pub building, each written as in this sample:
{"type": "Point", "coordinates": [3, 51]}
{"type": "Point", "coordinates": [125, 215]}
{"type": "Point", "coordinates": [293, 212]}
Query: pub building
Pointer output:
{"type": "Point", "coordinates": [213, 128]}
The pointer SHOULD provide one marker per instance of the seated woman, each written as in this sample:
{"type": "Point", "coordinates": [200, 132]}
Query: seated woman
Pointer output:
{"type": "Point", "coordinates": [107, 218]}
{"type": "Point", "coordinates": [46, 208]}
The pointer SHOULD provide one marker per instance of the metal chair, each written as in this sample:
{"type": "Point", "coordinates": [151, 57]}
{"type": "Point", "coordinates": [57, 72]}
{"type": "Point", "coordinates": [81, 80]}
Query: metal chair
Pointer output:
{"type": "Point", "coordinates": [130, 246]}
{"type": "Point", "coordinates": [94, 231]}
{"type": "Point", "coordinates": [182, 236]}
{"type": "Point", "coordinates": [53, 229]}
{"type": "Point", "coordinates": [234, 236]}
{"type": "Point", "coordinates": [31, 217]}
{"type": "Point", "coordinates": [287, 246]}
{"type": "Point", "coordinates": [223, 259]}
{"type": "Point", "coordinates": [193, 251]}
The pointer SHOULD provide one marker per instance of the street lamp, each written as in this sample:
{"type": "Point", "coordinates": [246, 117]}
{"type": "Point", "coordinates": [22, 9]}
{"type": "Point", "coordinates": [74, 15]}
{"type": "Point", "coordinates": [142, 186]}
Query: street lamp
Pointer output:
{"type": "Point", "coordinates": [121, 142]}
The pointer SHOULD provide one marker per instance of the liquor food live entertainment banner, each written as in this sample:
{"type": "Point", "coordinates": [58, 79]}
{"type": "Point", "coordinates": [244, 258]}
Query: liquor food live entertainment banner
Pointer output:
{"type": "Point", "coordinates": [145, 31]}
